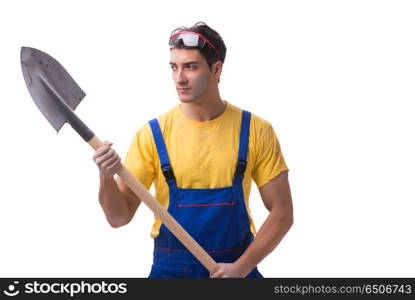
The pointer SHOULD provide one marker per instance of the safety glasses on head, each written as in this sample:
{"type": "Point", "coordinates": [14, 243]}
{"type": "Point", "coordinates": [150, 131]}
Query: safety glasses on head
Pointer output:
{"type": "Point", "coordinates": [190, 39]}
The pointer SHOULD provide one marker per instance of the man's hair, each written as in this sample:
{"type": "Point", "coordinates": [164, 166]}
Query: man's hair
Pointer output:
{"type": "Point", "coordinates": [206, 51]}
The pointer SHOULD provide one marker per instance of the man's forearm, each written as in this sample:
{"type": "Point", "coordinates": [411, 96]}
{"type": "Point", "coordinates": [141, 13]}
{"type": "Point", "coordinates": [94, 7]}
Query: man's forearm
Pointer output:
{"type": "Point", "coordinates": [268, 237]}
{"type": "Point", "coordinates": [113, 202]}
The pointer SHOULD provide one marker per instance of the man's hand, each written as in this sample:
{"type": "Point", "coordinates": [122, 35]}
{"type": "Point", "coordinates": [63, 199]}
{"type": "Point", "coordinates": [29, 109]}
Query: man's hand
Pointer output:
{"type": "Point", "coordinates": [232, 270]}
{"type": "Point", "coordinates": [107, 160]}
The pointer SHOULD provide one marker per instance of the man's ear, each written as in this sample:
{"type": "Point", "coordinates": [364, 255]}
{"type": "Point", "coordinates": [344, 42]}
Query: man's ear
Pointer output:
{"type": "Point", "coordinates": [217, 69]}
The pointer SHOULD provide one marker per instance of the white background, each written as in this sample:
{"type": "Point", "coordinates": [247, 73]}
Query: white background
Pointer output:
{"type": "Point", "coordinates": [335, 78]}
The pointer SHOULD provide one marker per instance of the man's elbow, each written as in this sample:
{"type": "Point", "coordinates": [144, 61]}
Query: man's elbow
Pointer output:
{"type": "Point", "coordinates": [290, 217]}
{"type": "Point", "coordinates": [118, 223]}
{"type": "Point", "coordinates": [290, 221]}
{"type": "Point", "coordinates": [286, 216]}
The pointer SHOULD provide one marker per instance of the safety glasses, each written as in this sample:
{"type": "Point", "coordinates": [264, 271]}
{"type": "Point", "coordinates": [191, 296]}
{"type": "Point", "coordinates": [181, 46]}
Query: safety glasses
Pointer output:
{"type": "Point", "coordinates": [191, 39]}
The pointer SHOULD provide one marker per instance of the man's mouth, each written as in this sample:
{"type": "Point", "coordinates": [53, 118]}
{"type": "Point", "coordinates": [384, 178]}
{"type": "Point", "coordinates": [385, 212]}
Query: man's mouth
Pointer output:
{"type": "Point", "coordinates": [183, 90]}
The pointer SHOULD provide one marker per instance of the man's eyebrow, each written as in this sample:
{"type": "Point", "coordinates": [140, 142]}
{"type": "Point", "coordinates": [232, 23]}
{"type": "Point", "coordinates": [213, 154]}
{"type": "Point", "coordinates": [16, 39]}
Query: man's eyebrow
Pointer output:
{"type": "Point", "coordinates": [186, 63]}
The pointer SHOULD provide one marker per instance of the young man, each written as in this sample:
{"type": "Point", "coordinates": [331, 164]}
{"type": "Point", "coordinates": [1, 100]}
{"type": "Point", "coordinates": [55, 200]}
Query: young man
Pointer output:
{"type": "Point", "coordinates": [202, 156]}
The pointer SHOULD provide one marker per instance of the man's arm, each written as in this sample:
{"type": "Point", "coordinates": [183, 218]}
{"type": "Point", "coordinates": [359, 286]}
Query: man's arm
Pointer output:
{"type": "Point", "coordinates": [117, 200]}
{"type": "Point", "coordinates": [276, 196]}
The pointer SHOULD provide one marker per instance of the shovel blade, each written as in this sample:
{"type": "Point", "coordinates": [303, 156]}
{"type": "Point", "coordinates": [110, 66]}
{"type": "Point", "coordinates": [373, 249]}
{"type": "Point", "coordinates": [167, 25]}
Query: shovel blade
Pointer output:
{"type": "Point", "coordinates": [53, 90]}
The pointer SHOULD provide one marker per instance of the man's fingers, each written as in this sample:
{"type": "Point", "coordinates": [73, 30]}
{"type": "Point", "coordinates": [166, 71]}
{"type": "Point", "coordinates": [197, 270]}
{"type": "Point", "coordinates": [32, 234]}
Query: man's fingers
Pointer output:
{"type": "Point", "coordinates": [102, 150]}
{"type": "Point", "coordinates": [217, 274]}
{"type": "Point", "coordinates": [109, 161]}
{"type": "Point", "coordinates": [108, 143]}
{"type": "Point", "coordinates": [118, 160]}
{"type": "Point", "coordinates": [105, 156]}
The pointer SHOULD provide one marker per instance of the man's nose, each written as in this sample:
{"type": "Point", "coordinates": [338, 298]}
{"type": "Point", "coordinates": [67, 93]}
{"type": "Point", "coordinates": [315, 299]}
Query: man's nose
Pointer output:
{"type": "Point", "coordinates": [181, 78]}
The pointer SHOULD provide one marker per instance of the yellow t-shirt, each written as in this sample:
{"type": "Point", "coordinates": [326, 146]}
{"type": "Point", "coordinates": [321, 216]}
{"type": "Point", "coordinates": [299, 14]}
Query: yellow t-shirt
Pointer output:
{"type": "Point", "coordinates": [204, 154]}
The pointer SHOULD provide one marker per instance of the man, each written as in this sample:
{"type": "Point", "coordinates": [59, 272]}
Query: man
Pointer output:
{"type": "Point", "coordinates": [202, 156]}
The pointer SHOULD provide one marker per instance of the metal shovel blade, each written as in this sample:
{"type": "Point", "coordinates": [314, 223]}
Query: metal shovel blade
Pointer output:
{"type": "Point", "coordinates": [50, 85]}
{"type": "Point", "coordinates": [54, 91]}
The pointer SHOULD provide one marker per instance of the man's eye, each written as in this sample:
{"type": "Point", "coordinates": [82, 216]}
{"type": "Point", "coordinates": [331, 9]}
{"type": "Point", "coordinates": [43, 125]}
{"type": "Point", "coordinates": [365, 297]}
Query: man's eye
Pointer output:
{"type": "Point", "coordinates": [192, 67]}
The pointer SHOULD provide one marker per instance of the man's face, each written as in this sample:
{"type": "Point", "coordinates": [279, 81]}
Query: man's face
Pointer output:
{"type": "Point", "coordinates": [190, 73]}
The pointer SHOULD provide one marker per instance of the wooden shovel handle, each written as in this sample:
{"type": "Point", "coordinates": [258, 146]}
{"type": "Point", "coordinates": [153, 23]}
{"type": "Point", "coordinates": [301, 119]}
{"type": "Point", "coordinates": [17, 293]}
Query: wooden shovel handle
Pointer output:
{"type": "Point", "coordinates": [161, 213]}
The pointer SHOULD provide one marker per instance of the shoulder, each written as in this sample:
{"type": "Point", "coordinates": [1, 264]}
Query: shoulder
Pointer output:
{"type": "Point", "coordinates": [260, 128]}
{"type": "Point", "coordinates": [261, 133]}
{"type": "Point", "coordinates": [257, 122]}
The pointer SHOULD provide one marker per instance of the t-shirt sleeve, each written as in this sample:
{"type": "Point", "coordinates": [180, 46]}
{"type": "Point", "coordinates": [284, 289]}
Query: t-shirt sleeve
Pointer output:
{"type": "Point", "coordinates": [139, 158]}
{"type": "Point", "coordinates": [269, 161]}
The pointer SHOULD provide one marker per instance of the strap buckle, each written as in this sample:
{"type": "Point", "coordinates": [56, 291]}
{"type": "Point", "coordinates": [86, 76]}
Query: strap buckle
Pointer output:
{"type": "Point", "coordinates": [168, 172]}
{"type": "Point", "coordinates": [240, 168]}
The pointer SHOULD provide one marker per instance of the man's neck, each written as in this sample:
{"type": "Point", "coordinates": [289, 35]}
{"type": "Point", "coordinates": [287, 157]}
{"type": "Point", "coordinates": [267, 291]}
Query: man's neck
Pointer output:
{"type": "Point", "coordinates": [203, 111]}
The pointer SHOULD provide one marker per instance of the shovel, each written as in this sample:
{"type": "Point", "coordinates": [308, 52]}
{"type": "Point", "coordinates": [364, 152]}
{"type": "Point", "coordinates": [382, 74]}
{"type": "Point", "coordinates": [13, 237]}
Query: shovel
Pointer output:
{"type": "Point", "coordinates": [57, 95]}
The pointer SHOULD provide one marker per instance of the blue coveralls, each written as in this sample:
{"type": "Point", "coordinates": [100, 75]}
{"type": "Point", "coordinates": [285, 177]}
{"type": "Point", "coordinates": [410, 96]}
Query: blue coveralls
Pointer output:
{"type": "Point", "coordinates": [216, 218]}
